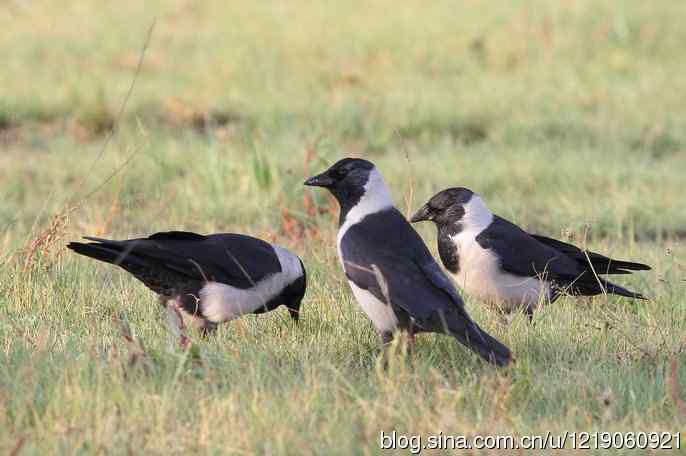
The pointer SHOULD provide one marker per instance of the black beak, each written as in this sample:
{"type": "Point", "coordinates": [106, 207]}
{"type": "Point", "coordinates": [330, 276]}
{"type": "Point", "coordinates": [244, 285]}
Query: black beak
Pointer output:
{"type": "Point", "coordinates": [422, 214]}
{"type": "Point", "coordinates": [321, 180]}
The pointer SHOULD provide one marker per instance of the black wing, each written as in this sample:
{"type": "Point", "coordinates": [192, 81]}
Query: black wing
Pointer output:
{"type": "Point", "coordinates": [601, 264]}
{"type": "Point", "coordinates": [521, 254]}
{"type": "Point", "coordinates": [414, 283]}
{"type": "Point", "coordinates": [233, 259]}
{"type": "Point", "coordinates": [524, 255]}
{"type": "Point", "coordinates": [384, 240]}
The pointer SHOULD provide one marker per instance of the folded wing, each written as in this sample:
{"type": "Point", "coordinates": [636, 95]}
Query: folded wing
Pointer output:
{"type": "Point", "coordinates": [233, 259]}
{"type": "Point", "coordinates": [600, 263]}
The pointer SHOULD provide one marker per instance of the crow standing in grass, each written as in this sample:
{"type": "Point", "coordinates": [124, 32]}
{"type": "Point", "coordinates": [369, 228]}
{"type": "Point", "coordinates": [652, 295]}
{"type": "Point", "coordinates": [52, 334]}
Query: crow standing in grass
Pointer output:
{"type": "Point", "coordinates": [391, 272]}
{"type": "Point", "coordinates": [500, 263]}
{"type": "Point", "coordinates": [208, 279]}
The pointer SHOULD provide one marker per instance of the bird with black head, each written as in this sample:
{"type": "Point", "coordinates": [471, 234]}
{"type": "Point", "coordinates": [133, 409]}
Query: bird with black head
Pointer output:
{"type": "Point", "coordinates": [391, 273]}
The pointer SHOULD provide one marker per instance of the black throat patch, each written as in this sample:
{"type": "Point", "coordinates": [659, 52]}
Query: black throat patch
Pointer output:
{"type": "Point", "coordinates": [347, 199]}
{"type": "Point", "coordinates": [447, 249]}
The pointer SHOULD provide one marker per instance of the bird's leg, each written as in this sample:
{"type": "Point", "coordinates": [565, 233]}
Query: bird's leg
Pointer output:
{"type": "Point", "coordinates": [176, 321]}
{"type": "Point", "coordinates": [386, 341]}
{"type": "Point", "coordinates": [502, 309]}
{"type": "Point", "coordinates": [207, 328]}
{"type": "Point", "coordinates": [503, 315]}
{"type": "Point", "coordinates": [411, 340]}
{"type": "Point", "coordinates": [386, 338]}
{"type": "Point", "coordinates": [194, 318]}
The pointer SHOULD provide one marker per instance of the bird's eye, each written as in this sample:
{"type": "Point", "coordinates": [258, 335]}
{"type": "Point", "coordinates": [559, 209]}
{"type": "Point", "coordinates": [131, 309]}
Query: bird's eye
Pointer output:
{"type": "Point", "coordinates": [338, 173]}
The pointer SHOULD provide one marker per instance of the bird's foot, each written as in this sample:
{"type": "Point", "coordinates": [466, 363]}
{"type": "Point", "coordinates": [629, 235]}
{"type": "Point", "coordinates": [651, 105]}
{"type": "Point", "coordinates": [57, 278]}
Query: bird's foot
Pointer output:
{"type": "Point", "coordinates": [176, 322]}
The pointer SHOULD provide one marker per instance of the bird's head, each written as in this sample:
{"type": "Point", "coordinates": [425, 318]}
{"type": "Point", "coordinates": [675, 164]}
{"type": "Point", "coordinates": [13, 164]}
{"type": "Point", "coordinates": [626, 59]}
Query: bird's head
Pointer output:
{"type": "Point", "coordinates": [344, 175]}
{"type": "Point", "coordinates": [294, 294]}
{"type": "Point", "coordinates": [449, 207]}
{"type": "Point", "coordinates": [352, 181]}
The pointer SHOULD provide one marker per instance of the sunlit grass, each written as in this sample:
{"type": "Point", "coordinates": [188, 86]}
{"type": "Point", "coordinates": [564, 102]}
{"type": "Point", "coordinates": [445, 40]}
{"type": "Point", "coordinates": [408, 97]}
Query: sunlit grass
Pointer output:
{"type": "Point", "coordinates": [568, 117]}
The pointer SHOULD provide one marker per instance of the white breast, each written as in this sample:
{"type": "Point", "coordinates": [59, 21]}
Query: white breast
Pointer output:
{"type": "Point", "coordinates": [221, 302]}
{"type": "Point", "coordinates": [381, 315]}
{"type": "Point", "coordinates": [376, 198]}
{"type": "Point", "coordinates": [481, 276]}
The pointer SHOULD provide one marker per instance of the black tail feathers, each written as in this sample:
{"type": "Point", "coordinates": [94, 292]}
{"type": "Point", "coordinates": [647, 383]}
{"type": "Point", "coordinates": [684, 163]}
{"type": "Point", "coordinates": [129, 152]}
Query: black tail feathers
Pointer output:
{"type": "Point", "coordinates": [611, 288]}
{"type": "Point", "coordinates": [96, 251]}
{"type": "Point", "coordinates": [593, 286]}
{"type": "Point", "coordinates": [485, 345]}
{"type": "Point", "coordinates": [469, 334]}
{"type": "Point", "coordinates": [108, 251]}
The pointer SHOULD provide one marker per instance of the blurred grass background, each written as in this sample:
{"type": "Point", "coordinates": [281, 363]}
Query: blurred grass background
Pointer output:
{"type": "Point", "coordinates": [568, 117]}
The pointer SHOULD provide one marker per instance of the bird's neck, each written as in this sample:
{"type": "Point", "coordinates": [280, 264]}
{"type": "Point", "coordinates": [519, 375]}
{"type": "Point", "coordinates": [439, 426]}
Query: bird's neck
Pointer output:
{"type": "Point", "coordinates": [477, 217]}
{"type": "Point", "coordinates": [447, 248]}
{"type": "Point", "coordinates": [356, 203]}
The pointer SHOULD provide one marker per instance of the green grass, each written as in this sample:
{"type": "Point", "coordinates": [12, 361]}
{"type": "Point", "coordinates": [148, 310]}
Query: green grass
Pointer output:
{"type": "Point", "coordinates": [568, 117]}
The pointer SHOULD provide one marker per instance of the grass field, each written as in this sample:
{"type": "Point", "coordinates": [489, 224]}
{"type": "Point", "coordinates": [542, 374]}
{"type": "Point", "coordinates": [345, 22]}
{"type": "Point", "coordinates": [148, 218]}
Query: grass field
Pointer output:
{"type": "Point", "coordinates": [568, 117]}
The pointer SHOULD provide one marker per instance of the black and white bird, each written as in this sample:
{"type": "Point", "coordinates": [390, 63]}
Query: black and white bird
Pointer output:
{"type": "Point", "coordinates": [497, 262]}
{"type": "Point", "coordinates": [391, 272]}
{"type": "Point", "coordinates": [208, 279]}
